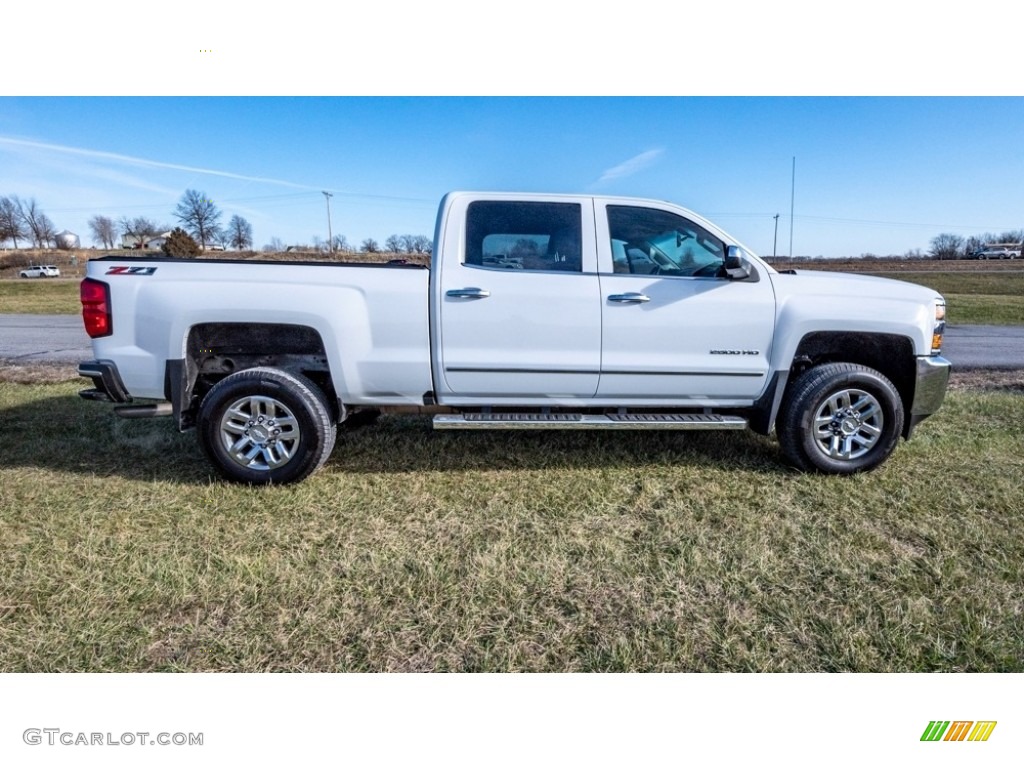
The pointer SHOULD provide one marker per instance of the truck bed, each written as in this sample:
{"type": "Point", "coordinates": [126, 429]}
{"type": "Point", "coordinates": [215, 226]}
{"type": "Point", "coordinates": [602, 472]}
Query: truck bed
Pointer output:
{"type": "Point", "coordinates": [373, 319]}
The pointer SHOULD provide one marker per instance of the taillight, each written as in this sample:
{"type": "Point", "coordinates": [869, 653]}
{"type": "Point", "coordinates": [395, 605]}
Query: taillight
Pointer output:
{"type": "Point", "coordinates": [96, 308]}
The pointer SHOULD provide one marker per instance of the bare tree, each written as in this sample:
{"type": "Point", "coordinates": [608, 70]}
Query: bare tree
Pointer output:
{"type": "Point", "coordinates": [12, 220]}
{"type": "Point", "coordinates": [409, 243]}
{"type": "Point", "coordinates": [274, 246]}
{"type": "Point", "coordinates": [947, 246]}
{"type": "Point", "coordinates": [104, 230]}
{"type": "Point", "coordinates": [370, 246]}
{"type": "Point", "coordinates": [199, 216]}
{"type": "Point", "coordinates": [422, 244]}
{"type": "Point", "coordinates": [47, 231]}
{"type": "Point", "coordinates": [240, 233]}
{"type": "Point", "coordinates": [38, 223]}
{"type": "Point", "coordinates": [340, 244]}
{"type": "Point", "coordinates": [393, 244]}
{"type": "Point", "coordinates": [140, 229]}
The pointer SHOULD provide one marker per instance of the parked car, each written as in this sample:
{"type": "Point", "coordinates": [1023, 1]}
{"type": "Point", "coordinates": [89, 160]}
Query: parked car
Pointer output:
{"type": "Point", "coordinates": [47, 270]}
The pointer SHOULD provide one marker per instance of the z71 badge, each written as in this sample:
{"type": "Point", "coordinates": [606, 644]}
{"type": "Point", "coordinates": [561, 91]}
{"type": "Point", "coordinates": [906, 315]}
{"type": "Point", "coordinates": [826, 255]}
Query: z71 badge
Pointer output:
{"type": "Point", "coordinates": [131, 270]}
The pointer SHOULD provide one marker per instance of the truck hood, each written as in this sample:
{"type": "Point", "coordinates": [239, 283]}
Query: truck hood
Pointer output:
{"type": "Point", "coordinates": [845, 285]}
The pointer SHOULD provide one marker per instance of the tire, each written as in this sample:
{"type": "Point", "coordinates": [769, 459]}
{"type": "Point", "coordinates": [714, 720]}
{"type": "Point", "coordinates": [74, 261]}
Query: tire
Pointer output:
{"type": "Point", "coordinates": [266, 426]}
{"type": "Point", "coordinates": [840, 418]}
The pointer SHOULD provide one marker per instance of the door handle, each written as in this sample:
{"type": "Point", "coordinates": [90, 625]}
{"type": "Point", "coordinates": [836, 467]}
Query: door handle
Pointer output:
{"type": "Point", "coordinates": [629, 298]}
{"type": "Point", "coordinates": [467, 293]}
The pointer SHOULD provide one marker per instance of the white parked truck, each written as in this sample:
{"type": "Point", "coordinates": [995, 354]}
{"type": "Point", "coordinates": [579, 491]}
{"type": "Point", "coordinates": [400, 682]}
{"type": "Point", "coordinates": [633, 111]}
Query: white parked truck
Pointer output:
{"type": "Point", "coordinates": [538, 312]}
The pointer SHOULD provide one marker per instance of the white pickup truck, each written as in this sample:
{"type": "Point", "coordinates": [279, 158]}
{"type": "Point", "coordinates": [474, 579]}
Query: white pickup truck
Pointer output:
{"type": "Point", "coordinates": [537, 312]}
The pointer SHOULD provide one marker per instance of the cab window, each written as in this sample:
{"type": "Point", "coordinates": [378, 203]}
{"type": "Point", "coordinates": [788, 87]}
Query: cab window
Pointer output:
{"type": "Point", "coordinates": [646, 241]}
{"type": "Point", "coordinates": [522, 235]}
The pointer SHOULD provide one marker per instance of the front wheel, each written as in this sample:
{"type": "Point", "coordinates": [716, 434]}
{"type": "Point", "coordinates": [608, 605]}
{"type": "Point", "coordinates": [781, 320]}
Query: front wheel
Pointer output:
{"type": "Point", "coordinates": [840, 418]}
{"type": "Point", "coordinates": [265, 425]}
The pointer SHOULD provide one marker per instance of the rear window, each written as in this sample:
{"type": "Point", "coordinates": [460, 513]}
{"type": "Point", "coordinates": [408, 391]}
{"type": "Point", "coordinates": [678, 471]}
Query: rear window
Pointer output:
{"type": "Point", "coordinates": [524, 235]}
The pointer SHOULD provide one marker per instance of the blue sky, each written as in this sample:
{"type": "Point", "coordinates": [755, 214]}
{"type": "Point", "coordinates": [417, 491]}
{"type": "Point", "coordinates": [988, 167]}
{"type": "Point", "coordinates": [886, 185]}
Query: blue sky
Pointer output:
{"type": "Point", "coordinates": [873, 175]}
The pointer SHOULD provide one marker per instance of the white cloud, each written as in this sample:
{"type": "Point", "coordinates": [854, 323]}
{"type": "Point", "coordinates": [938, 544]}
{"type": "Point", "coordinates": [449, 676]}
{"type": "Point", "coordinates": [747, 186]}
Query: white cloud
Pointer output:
{"type": "Point", "coordinates": [138, 161]}
{"type": "Point", "coordinates": [631, 166]}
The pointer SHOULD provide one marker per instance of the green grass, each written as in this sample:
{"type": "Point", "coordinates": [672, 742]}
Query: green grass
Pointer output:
{"type": "Point", "coordinates": [963, 309]}
{"type": "Point", "coordinates": [39, 297]}
{"type": "Point", "coordinates": [414, 550]}
{"type": "Point", "coordinates": [975, 298]}
{"type": "Point", "coordinates": [974, 283]}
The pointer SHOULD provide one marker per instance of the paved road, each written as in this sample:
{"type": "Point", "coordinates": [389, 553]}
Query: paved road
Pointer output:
{"type": "Point", "coordinates": [60, 338]}
{"type": "Point", "coordinates": [43, 338]}
{"type": "Point", "coordinates": [985, 346]}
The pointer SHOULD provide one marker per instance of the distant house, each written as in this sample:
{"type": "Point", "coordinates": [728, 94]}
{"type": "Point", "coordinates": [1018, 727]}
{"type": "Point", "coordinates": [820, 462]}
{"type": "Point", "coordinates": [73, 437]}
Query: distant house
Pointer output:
{"type": "Point", "coordinates": [141, 242]}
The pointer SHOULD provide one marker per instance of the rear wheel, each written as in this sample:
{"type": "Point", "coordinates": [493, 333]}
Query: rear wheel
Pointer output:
{"type": "Point", "coordinates": [265, 425]}
{"type": "Point", "coordinates": [840, 418]}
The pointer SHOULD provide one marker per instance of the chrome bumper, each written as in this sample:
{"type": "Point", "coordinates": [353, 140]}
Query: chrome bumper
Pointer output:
{"type": "Point", "coordinates": [929, 390]}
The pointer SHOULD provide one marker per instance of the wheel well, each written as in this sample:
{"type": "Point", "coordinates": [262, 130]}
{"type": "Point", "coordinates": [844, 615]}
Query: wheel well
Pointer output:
{"type": "Point", "coordinates": [889, 354]}
{"type": "Point", "coordinates": [216, 350]}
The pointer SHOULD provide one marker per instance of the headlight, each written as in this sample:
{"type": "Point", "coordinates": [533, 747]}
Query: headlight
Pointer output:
{"type": "Point", "coordinates": [940, 325]}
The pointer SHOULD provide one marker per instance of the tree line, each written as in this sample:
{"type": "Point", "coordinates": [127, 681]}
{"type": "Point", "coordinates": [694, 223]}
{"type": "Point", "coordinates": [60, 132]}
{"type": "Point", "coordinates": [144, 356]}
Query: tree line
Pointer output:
{"type": "Point", "coordinates": [25, 220]}
{"type": "Point", "coordinates": [199, 220]}
{"type": "Point", "coordinates": [200, 226]}
{"type": "Point", "coordinates": [198, 217]}
{"type": "Point", "coordinates": [952, 246]}
{"type": "Point", "coordinates": [407, 244]}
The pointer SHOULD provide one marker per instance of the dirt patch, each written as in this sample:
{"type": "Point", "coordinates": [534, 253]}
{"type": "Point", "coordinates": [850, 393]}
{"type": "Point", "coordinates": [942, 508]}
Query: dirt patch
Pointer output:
{"type": "Point", "coordinates": [987, 381]}
{"type": "Point", "coordinates": [14, 372]}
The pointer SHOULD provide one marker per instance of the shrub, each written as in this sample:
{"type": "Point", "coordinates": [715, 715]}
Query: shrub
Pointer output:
{"type": "Point", "coordinates": [180, 245]}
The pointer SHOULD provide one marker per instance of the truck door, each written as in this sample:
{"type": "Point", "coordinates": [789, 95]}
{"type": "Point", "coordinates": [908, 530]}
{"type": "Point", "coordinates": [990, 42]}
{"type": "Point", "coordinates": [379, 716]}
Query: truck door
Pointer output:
{"type": "Point", "coordinates": [675, 328]}
{"type": "Point", "coordinates": [518, 301]}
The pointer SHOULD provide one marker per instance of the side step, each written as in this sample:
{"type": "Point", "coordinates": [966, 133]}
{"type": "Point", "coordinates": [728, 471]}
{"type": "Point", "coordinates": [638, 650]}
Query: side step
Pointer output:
{"type": "Point", "coordinates": [585, 421]}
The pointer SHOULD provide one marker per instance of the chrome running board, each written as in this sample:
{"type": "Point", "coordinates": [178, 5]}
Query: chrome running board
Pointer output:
{"type": "Point", "coordinates": [589, 421]}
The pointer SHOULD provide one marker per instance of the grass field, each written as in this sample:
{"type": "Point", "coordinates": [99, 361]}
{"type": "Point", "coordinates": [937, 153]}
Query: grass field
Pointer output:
{"type": "Point", "coordinates": [415, 550]}
{"type": "Point", "coordinates": [991, 293]}
{"type": "Point", "coordinates": [39, 297]}
{"type": "Point", "coordinates": [975, 298]}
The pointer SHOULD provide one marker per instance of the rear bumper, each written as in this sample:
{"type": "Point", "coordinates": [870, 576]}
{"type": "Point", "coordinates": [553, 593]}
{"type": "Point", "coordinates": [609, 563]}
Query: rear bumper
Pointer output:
{"type": "Point", "coordinates": [107, 384]}
{"type": "Point", "coordinates": [929, 390]}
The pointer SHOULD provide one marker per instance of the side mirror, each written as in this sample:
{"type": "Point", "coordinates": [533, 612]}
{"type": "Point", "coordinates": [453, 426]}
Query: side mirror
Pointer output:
{"type": "Point", "coordinates": [736, 266]}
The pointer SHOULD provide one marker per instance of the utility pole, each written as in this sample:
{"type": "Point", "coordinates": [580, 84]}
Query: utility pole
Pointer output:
{"type": "Point", "coordinates": [775, 241]}
{"type": "Point", "coordinates": [330, 235]}
{"type": "Point", "coordinates": [792, 202]}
